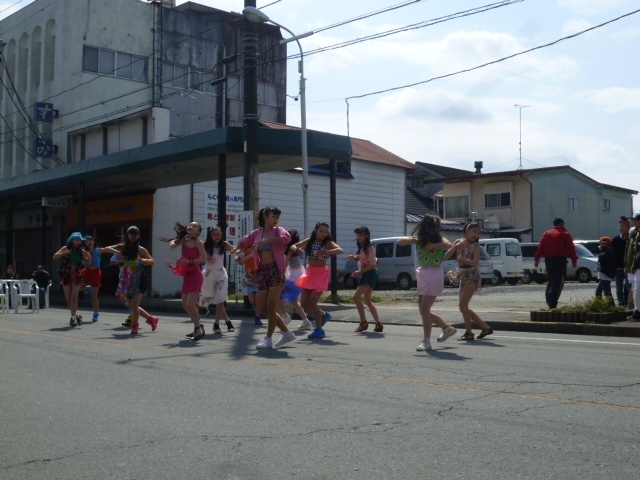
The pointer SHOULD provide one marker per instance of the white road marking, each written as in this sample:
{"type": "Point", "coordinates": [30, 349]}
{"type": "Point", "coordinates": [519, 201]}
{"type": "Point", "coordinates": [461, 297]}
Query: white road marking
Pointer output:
{"type": "Point", "coordinates": [569, 340]}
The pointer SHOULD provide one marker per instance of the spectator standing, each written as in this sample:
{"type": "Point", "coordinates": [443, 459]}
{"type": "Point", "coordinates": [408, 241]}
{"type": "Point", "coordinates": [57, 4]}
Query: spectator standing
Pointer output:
{"type": "Point", "coordinates": [632, 264]}
{"type": "Point", "coordinates": [606, 267]}
{"type": "Point", "coordinates": [42, 278]}
{"type": "Point", "coordinates": [556, 245]}
{"type": "Point", "coordinates": [619, 247]}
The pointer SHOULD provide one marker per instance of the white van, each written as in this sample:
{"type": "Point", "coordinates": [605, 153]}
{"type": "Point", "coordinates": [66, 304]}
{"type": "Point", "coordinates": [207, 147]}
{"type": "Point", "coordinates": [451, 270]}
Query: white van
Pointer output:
{"type": "Point", "coordinates": [507, 259]}
{"type": "Point", "coordinates": [398, 263]}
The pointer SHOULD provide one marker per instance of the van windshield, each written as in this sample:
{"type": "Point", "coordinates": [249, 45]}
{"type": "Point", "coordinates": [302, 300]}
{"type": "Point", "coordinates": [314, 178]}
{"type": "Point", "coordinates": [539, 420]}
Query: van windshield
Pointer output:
{"type": "Point", "coordinates": [513, 249]}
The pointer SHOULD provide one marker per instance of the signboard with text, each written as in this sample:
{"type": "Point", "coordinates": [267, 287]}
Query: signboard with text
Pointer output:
{"type": "Point", "coordinates": [245, 226]}
{"type": "Point", "coordinates": [235, 205]}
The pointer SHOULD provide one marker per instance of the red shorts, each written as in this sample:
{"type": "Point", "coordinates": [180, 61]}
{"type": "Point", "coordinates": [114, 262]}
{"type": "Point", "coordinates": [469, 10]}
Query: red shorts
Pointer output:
{"type": "Point", "coordinates": [92, 277]}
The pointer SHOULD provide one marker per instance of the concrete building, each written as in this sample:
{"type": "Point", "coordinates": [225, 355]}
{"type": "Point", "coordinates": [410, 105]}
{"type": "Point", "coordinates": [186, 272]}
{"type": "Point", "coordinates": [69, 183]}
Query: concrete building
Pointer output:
{"type": "Point", "coordinates": [140, 133]}
{"type": "Point", "coordinates": [120, 75]}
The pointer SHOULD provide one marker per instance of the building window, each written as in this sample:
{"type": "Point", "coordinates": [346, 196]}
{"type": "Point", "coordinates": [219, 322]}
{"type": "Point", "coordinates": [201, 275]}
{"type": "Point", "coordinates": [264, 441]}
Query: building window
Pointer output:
{"type": "Point", "coordinates": [574, 204]}
{"type": "Point", "coordinates": [497, 200]}
{"type": "Point", "coordinates": [417, 182]}
{"type": "Point", "coordinates": [234, 87]}
{"type": "Point", "coordinates": [115, 64]}
{"type": "Point", "coordinates": [456, 207]}
{"type": "Point", "coordinates": [606, 204]}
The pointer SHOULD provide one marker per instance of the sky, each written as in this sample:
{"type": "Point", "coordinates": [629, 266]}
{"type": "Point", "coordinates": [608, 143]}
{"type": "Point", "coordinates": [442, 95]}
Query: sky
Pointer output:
{"type": "Point", "coordinates": [579, 98]}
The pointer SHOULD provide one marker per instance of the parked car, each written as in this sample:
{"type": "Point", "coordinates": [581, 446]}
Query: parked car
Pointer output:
{"type": "Point", "coordinates": [485, 267]}
{"type": "Point", "coordinates": [584, 271]}
{"type": "Point", "coordinates": [507, 259]}
{"type": "Point", "coordinates": [398, 263]}
{"type": "Point", "coordinates": [592, 245]}
{"type": "Point", "coordinates": [531, 273]}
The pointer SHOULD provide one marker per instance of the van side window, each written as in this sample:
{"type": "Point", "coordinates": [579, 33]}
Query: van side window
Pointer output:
{"type": "Point", "coordinates": [513, 249]}
{"type": "Point", "coordinates": [384, 250]}
{"type": "Point", "coordinates": [493, 249]}
{"type": "Point", "coordinates": [403, 250]}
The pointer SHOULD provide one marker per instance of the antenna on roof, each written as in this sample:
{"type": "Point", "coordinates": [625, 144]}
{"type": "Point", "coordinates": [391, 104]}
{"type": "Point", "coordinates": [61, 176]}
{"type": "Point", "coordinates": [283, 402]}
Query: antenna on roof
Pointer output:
{"type": "Point", "coordinates": [520, 107]}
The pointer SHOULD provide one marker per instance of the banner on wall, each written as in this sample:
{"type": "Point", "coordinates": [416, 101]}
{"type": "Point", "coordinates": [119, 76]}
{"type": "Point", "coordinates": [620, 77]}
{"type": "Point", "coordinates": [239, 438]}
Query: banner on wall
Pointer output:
{"type": "Point", "coordinates": [235, 206]}
{"type": "Point", "coordinates": [245, 226]}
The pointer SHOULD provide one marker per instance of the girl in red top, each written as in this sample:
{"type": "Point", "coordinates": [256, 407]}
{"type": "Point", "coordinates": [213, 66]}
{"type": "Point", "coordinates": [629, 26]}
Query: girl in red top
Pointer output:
{"type": "Point", "coordinates": [367, 275]}
{"type": "Point", "coordinates": [188, 266]}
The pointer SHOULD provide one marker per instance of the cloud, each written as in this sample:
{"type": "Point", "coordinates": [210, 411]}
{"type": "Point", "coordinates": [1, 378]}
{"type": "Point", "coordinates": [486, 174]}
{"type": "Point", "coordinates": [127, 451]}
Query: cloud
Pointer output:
{"type": "Point", "coordinates": [614, 99]}
{"type": "Point", "coordinates": [575, 26]}
{"type": "Point", "coordinates": [438, 104]}
{"type": "Point", "coordinates": [467, 49]}
{"type": "Point", "coordinates": [591, 7]}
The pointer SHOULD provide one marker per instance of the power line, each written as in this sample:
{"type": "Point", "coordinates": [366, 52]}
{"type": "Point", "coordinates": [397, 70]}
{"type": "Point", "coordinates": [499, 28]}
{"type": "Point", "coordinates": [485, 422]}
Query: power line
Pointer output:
{"type": "Point", "coordinates": [486, 64]}
{"type": "Point", "coordinates": [415, 26]}
{"type": "Point", "coordinates": [367, 15]}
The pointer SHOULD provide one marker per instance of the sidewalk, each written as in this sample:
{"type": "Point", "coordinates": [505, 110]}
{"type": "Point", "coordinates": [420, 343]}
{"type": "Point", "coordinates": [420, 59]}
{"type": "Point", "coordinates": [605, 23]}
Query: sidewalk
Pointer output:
{"type": "Point", "coordinates": [500, 316]}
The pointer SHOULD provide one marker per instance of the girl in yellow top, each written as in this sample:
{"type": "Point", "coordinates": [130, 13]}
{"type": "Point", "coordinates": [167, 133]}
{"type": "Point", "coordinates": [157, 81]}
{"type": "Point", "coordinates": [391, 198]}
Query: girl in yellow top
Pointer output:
{"type": "Point", "coordinates": [430, 248]}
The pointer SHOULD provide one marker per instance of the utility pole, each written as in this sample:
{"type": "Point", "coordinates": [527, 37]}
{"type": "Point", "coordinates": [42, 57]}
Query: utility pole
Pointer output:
{"type": "Point", "coordinates": [250, 118]}
{"type": "Point", "coordinates": [520, 107]}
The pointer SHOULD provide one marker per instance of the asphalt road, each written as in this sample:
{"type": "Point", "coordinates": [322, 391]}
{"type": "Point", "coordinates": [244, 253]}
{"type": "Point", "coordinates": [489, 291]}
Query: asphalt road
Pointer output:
{"type": "Point", "coordinates": [95, 403]}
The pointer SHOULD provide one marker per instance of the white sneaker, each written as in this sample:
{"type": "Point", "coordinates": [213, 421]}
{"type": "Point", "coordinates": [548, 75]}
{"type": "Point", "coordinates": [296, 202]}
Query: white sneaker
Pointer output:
{"type": "Point", "coordinates": [305, 325]}
{"type": "Point", "coordinates": [424, 346]}
{"type": "Point", "coordinates": [446, 333]}
{"type": "Point", "coordinates": [265, 343]}
{"type": "Point", "coordinates": [285, 338]}
{"type": "Point", "coordinates": [286, 318]}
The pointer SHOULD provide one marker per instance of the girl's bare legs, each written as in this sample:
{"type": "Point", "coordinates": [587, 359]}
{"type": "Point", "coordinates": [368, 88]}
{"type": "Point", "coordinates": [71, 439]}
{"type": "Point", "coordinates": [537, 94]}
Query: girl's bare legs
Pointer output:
{"type": "Point", "coordinates": [372, 308]}
{"type": "Point", "coordinates": [135, 308]}
{"type": "Point", "coordinates": [309, 300]}
{"type": "Point", "coordinates": [268, 301]}
{"type": "Point", "coordinates": [425, 302]}
{"type": "Point", "coordinates": [95, 300]}
{"type": "Point", "coordinates": [72, 297]}
{"type": "Point", "coordinates": [466, 292]}
{"type": "Point", "coordinates": [298, 308]}
{"type": "Point", "coordinates": [190, 305]}
{"type": "Point", "coordinates": [221, 312]}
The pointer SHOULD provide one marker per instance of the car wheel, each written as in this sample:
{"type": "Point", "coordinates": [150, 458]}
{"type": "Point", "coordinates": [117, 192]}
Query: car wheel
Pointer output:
{"type": "Point", "coordinates": [350, 282]}
{"type": "Point", "coordinates": [512, 281]}
{"type": "Point", "coordinates": [404, 281]}
{"type": "Point", "coordinates": [583, 275]}
{"type": "Point", "coordinates": [496, 279]}
{"type": "Point", "coordinates": [527, 277]}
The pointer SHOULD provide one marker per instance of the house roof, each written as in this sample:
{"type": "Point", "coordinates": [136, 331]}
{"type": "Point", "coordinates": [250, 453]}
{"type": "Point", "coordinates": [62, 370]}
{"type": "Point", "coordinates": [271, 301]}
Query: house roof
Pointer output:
{"type": "Point", "coordinates": [362, 149]}
{"type": "Point", "coordinates": [442, 170]}
{"type": "Point", "coordinates": [530, 171]}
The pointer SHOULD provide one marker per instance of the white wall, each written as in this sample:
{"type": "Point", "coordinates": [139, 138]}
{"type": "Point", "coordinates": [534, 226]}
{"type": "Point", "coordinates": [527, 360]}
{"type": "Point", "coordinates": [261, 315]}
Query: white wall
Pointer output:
{"type": "Point", "coordinates": [170, 205]}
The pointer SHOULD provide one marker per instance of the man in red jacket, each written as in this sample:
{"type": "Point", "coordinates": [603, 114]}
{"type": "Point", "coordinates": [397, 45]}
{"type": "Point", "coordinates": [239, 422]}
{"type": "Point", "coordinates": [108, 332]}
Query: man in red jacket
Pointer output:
{"type": "Point", "coordinates": [556, 245]}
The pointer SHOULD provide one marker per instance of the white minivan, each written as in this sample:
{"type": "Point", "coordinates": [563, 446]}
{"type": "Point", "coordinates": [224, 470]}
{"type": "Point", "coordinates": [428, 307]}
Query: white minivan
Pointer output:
{"type": "Point", "coordinates": [398, 263]}
{"type": "Point", "coordinates": [507, 259]}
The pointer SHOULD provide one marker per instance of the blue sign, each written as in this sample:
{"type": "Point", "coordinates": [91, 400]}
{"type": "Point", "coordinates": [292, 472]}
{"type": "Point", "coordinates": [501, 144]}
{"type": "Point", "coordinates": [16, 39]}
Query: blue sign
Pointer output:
{"type": "Point", "coordinates": [43, 147]}
{"type": "Point", "coordinates": [43, 112]}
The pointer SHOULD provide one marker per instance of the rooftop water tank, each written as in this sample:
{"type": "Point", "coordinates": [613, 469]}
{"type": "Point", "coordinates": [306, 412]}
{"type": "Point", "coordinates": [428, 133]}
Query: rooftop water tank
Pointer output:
{"type": "Point", "coordinates": [492, 223]}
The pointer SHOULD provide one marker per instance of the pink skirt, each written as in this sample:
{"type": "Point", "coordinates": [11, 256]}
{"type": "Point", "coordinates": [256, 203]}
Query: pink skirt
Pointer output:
{"type": "Point", "coordinates": [430, 281]}
{"type": "Point", "coordinates": [315, 278]}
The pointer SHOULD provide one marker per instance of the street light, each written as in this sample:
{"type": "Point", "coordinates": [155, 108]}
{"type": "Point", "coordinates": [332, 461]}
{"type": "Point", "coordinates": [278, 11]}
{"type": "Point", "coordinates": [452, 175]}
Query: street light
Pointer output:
{"type": "Point", "coordinates": [257, 16]}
